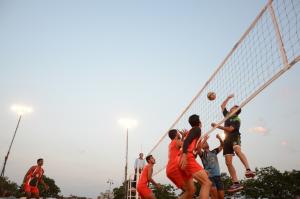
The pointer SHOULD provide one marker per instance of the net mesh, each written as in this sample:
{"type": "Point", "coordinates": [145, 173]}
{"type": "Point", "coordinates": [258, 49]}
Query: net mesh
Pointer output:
{"type": "Point", "coordinates": [266, 50]}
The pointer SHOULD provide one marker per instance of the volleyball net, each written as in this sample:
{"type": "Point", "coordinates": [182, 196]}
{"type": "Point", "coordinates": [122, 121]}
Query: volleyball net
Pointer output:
{"type": "Point", "coordinates": [267, 49]}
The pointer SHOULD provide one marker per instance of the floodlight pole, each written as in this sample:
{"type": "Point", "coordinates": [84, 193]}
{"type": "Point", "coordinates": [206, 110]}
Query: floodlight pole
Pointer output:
{"type": "Point", "coordinates": [126, 164]}
{"type": "Point", "coordinates": [6, 157]}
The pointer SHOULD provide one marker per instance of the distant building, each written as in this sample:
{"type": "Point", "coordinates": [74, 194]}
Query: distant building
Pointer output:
{"type": "Point", "coordinates": [106, 195]}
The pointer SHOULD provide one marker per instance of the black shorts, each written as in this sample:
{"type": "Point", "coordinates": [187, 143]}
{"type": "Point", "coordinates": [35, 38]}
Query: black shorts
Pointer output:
{"type": "Point", "coordinates": [217, 182]}
{"type": "Point", "coordinates": [229, 142]}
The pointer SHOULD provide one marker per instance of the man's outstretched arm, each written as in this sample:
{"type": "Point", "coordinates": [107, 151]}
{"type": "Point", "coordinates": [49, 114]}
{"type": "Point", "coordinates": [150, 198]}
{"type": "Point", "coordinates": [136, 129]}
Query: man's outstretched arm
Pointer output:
{"type": "Point", "coordinates": [223, 105]}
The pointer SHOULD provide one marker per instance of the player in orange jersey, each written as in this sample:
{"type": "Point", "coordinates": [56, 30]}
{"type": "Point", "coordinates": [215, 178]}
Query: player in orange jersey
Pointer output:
{"type": "Point", "coordinates": [174, 173]}
{"type": "Point", "coordinates": [146, 177]}
{"type": "Point", "coordinates": [34, 176]}
{"type": "Point", "coordinates": [188, 161]}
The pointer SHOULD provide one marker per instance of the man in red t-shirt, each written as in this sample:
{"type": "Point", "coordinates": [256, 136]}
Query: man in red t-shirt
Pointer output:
{"type": "Point", "coordinates": [188, 161]}
{"type": "Point", "coordinates": [33, 177]}
{"type": "Point", "coordinates": [174, 173]}
{"type": "Point", "coordinates": [144, 191]}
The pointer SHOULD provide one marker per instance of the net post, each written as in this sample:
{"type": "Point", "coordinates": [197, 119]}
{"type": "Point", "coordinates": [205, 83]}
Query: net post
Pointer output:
{"type": "Point", "coordinates": [278, 35]}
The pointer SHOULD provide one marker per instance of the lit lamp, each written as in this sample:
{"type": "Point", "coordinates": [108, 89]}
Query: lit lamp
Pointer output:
{"type": "Point", "coordinates": [20, 110]}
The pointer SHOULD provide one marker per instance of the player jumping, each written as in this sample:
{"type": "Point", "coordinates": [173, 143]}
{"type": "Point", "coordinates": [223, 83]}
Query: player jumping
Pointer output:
{"type": "Point", "coordinates": [232, 144]}
{"type": "Point", "coordinates": [211, 165]}
{"type": "Point", "coordinates": [174, 173]}
{"type": "Point", "coordinates": [188, 162]}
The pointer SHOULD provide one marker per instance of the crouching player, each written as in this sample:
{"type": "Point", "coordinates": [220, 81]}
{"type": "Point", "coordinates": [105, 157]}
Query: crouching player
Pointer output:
{"type": "Point", "coordinates": [144, 191]}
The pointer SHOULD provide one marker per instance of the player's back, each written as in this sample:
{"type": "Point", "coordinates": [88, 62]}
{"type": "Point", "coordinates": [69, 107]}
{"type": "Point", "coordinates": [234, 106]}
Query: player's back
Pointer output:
{"type": "Point", "coordinates": [173, 154]}
{"type": "Point", "coordinates": [196, 133]}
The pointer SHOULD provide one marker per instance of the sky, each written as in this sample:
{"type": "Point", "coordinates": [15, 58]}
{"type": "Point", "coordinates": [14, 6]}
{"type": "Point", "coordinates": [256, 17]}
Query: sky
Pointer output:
{"type": "Point", "coordinates": [83, 65]}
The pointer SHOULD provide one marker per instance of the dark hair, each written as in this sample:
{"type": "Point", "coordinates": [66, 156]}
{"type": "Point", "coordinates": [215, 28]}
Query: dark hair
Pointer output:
{"type": "Point", "coordinates": [172, 134]}
{"type": "Point", "coordinates": [239, 111]}
{"type": "Point", "coordinates": [40, 159]}
{"type": "Point", "coordinates": [148, 157]}
{"type": "Point", "coordinates": [194, 120]}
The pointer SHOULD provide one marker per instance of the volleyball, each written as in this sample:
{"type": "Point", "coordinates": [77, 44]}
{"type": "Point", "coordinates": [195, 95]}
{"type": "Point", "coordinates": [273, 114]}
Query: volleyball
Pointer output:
{"type": "Point", "coordinates": [211, 96]}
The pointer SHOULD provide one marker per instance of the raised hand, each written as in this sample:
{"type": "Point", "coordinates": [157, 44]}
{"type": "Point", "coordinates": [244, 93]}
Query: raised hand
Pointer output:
{"type": "Point", "coordinates": [230, 96]}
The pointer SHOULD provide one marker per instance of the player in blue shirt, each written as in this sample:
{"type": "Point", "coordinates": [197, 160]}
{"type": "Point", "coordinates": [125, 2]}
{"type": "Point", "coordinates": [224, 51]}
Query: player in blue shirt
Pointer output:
{"type": "Point", "coordinates": [211, 165]}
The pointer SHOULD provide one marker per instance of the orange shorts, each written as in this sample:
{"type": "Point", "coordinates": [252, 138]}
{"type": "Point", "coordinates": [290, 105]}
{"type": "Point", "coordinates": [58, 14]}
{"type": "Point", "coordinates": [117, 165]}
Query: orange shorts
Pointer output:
{"type": "Point", "coordinates": [192, 165]}
{"type": "Point", "coordinates": [31, 189]}
{"type": "Point", "coordinates": [177, 176]}
{"type": "Point", "coordinates": [144, 191]}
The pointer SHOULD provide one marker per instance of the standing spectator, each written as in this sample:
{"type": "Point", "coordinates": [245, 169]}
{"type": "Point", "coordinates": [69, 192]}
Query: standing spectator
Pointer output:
{"type": "Point", "coordinates": [138, 166]}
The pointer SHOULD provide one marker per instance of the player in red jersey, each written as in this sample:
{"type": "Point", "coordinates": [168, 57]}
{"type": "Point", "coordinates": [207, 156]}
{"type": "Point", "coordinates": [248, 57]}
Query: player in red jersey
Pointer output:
{"type": "Point", "coordinates": [174, 173]}
{"type": "Point", "coordinates": [144, 191]}
{"type": "Point", "coordinates": [32, 178]}
{"type": "Point", "coordinates": [188, 161]}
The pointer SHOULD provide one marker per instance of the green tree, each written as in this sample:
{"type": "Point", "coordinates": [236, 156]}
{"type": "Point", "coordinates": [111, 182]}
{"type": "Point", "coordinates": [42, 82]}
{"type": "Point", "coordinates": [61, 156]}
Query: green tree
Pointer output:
{"type": "Point", "coordinates": [166, 191]}
{"type": "Point", "coordinates": [53, 190]}
{"type": "Point", "coordinates": [271, 183]}
{"type": "Point", "coordinates": [226, 181]}
{"type": "Point", "coordinates": [8, 188]}
{"type": "Point", "coordinates": [119, 192]}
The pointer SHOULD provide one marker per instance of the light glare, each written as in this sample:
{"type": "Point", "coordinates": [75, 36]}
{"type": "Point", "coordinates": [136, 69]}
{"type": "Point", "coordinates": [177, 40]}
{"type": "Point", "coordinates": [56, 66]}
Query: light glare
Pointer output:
{"type": "Point", "coordinates": [20, 109]}
{"type": "Point", "coordinates": [128, 122]}
{"type": "Point", "coordinates": [222, 135]}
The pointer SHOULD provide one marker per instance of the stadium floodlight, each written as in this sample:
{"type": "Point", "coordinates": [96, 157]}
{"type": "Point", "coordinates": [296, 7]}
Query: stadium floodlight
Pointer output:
{"type": "Point", "coordinates": [128, 123]}
{"type": "Point", "coordinates": [20, 110]}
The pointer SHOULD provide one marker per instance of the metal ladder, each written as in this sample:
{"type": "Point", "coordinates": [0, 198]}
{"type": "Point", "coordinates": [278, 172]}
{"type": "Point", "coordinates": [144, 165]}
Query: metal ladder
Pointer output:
{"type": "Point", "coordinates": [132, 191]}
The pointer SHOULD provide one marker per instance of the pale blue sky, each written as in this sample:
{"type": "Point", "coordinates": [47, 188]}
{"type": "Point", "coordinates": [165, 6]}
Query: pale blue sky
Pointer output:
{"type": "Point", "coordinates": [84, 64]}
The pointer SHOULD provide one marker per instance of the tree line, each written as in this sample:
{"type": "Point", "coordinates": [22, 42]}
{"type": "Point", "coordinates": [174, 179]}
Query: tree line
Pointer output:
{"type": "Point", "coordinates": [9, 188]}
{"type": "Point", "coordinates": [269, 183]}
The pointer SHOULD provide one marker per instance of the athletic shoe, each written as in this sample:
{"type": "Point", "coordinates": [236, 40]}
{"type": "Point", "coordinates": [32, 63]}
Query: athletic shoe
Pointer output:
{"type": "Point", "coordinates": [235, 188]}
{"type": "Point", "coordinates": [249, 174]}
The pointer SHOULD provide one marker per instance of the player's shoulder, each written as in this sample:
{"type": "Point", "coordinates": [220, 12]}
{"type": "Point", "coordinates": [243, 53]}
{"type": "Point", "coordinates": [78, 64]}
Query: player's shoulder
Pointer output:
{"type": "Point", "coordinates": [236, 119]}
{"type": "Point", "coordinates": [195, 129]}
{"type": "Point", "coordinates": [149, 166]}
{"type": "Point", "coordinates": [173, 142]}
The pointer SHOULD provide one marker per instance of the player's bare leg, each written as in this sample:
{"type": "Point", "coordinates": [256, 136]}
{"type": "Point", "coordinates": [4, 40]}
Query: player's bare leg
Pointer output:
{"type": "Point", "coordinates": [150, 197]}
{"type": "Point", "coordinates": [221, 194]}
{"type": "Point", "coordinates": [202, 178]}
{"type": "Point", "coordinates": [189, 190]}
{"type": "Point", "coordinates": [28, 195]}
{"type": "Point", "coordinates": [35, 195]}
{"type": "Point", "coordinates": [213, 193]}
{"type": "Point", "coordinates": [231, 169]}
{"type": "Point", "coordinates": [237, 149]}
